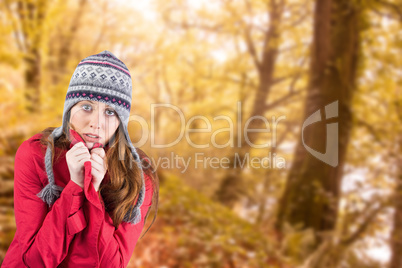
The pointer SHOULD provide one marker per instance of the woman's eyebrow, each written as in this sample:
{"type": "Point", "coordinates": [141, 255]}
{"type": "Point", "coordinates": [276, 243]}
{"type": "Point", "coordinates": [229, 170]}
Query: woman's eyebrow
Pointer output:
{"type": "Point", "coordinates": [107, 106]}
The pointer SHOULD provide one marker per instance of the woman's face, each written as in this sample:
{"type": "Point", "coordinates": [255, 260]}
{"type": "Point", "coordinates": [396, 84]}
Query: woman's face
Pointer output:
{"type": "Point", "coordinates": [95, 121]}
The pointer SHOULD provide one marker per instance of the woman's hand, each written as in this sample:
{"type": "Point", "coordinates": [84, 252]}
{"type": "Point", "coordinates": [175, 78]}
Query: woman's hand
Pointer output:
{"type": "Point", "coordinates": [76, 157]}
{"type": "Point", "coordinates": [99, 166]}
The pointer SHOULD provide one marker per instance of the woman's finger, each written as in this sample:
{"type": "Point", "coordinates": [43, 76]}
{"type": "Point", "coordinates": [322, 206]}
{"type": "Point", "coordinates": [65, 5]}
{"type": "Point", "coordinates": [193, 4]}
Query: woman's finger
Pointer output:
{"type": "Point", "coordinates": [79, 151]}
{"type": "Point", "coordinates": [94, 172]}
{"type": "Point", "coordinates": [102, 163]}
{"type": "Point", "coordinates": [78, 146]}
{"type": "Point", "coordinates": [97, 158]}
{"type": "Point", "coordinates": [99, 151]}
{"type": "Point", "coordinates": [82, 158]}
{"type": "Point", "coordinates": [96, 165]}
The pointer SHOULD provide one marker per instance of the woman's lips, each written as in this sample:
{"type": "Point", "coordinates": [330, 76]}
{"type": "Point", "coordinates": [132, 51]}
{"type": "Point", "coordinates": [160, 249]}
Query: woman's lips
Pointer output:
{"type": "Point", "coordinates": [90, 139]}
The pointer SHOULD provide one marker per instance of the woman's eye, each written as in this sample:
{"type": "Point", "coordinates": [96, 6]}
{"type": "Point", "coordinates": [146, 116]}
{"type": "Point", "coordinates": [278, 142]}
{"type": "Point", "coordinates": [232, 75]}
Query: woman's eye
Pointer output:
{"type": "Point", "coordinates": [86, 107]}
{"type": "Point", "coordinates": [110, 112]}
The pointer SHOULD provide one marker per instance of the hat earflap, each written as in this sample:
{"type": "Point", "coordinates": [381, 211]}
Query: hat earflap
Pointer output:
{"type": "Point", "coordinates": [51, 192]}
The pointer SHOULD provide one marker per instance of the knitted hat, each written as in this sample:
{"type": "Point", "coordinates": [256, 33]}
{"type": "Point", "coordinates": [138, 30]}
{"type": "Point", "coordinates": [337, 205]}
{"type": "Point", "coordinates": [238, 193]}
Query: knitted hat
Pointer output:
{"type": "Point", "coordinates": [100, 77]}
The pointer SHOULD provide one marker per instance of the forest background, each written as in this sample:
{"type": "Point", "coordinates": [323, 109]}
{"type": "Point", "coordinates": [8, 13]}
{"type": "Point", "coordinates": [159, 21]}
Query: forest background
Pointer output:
{"type": "Point", "coordinates": [275, 125]}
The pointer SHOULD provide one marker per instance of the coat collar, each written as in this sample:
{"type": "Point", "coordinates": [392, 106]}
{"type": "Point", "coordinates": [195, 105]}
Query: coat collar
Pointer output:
{"type": "Point", "coordinates": [76, 138]}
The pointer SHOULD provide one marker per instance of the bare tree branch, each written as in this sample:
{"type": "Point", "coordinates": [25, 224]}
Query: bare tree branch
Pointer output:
{"type": "Point", "coordinates": [300, 19]}
{"type": "Point", "coordinates": [251, 47]}
{"type": "Point", "coordinates": [234, 81]}
{"type": "Point", "coordinates": [396, 8]}
{"type": "Point", "coordinates": [154, 97]}
{"type": "Point", "coordinates": [249, 40]}
{"type": "Point", "coordinates": [14, 25]}
{"type": "Point", "coordinates": [366, 222]}
{"type": "Point", "coordinates": [166, 82]}
{"type": "Point", "coordinates": [102, 28]}
{"type": "Point", "coordinates": [374, 133]}
{"type": "Point", "coordinates": [21, 11]}
{"type": "Point", "coordinates": [302, 9]}
{"type": "Point", "coordinates": [283, 78]}
{"type": "Point", "coordinates": [290, 48]}
{"type": "Point", "coordinates": [216, 28]}
{"type": "Point", "coordinates": [297, 76]}
{"type": "Point", "coordinates": [393, 8]}
{"type": "Point", "coordinates": [283, 99]}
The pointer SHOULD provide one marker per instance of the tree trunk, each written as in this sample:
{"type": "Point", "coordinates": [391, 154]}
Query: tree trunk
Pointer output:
{"type": "Point", "coordinates": [31, 17]}
{"type": "Point", "coordinates": [232, 187]}
{"type": "Point", "coordinates": [32, 81]}
{"type": "Point", "coordinates": [310, 199]}
{"type": "Point", "coordinates": [60, 67]}
{"type": "Point", "coordinates": [396, 233]}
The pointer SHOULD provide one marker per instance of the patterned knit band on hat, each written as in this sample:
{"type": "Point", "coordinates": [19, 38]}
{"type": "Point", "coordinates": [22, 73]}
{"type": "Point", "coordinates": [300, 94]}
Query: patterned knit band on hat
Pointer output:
{"type": "Point", "coordinates": [101, 77]}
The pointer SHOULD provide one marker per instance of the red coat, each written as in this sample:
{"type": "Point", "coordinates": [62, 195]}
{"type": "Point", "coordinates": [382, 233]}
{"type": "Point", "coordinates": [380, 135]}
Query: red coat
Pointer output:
{"type": "Point", "coordinates": [75, 231]}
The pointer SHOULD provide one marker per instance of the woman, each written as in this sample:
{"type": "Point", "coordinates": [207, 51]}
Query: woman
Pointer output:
{"type": "Point", "coordinates": [82, 191]}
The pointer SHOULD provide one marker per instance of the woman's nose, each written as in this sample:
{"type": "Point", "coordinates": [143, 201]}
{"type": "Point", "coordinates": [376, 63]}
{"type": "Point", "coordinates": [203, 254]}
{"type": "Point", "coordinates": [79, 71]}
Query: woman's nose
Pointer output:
{"type": "Point", "coordinates": [96, 120]}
